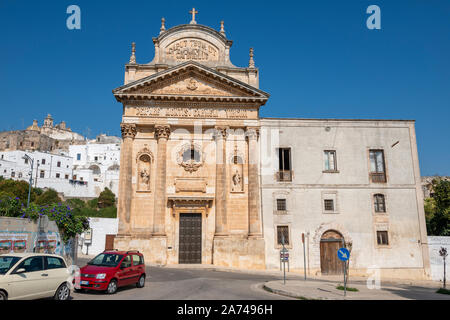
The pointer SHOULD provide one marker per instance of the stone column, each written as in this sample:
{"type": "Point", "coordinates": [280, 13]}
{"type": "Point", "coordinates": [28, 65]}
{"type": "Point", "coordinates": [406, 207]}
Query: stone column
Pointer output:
{"type": "Point", "coordinates": [126, 173]}
{"type": "Point", "coordinates": [162, 134]}
{"type": "Point", "coordinates": [221, 184]}
{"type": "Point", "coordinates": [254, 218]}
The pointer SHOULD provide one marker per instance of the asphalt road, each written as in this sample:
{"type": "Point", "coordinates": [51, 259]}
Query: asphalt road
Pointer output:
{"type": "Point", "coordinates": [190, 284]}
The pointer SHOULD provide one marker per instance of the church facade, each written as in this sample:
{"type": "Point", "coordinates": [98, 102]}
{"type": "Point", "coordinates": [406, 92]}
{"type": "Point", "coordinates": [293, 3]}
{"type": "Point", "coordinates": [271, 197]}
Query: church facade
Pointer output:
{"type": "Point", "coordinates": [204, 179]}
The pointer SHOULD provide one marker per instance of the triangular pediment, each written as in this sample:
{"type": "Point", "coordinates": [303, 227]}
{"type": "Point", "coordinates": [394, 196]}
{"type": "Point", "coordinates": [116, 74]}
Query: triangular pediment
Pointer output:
{"type": "Point", "coordinates": [190, 80]}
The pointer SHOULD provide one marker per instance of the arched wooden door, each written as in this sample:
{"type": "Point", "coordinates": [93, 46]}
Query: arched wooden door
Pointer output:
{"type": "Point", "coordinates": [330, 242]}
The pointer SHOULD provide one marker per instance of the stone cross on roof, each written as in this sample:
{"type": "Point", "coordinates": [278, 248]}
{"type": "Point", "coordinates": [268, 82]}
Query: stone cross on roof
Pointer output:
{"type": "Point", "coordinates": [193, 12]}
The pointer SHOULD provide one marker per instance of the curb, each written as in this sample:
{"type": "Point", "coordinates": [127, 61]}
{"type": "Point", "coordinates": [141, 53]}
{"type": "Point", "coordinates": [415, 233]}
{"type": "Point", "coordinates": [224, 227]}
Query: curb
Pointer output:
{"type": "Point", "coordinates": [286, 293]}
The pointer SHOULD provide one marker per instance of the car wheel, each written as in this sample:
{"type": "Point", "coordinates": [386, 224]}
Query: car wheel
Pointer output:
{"type": "Point", "coordinates": [3, 296]}
{"type": "Point", "coordinates": [112, 287]}
{"type": "Point", "coordinates": [63, 292]}
{"type": "Point", "coordinates": [141, 282]}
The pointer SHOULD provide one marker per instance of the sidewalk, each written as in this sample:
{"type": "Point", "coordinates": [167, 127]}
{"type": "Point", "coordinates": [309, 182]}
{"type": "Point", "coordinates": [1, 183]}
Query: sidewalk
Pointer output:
{"type": "Point", "coordinates": [326, 290]}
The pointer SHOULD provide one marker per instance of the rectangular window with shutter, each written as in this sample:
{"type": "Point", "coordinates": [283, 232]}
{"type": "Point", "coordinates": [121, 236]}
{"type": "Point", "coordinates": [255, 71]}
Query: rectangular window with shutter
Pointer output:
{"type": "Point", "coordinates": [382, 238]}
{"type": "Point", "coordinates": [377, 166]}
{"type": "Point", "coordinates": [330, 160]}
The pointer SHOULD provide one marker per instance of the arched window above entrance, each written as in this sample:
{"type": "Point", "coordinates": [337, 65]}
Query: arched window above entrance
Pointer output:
{"type": "Point", "coordinates": [331, 235]}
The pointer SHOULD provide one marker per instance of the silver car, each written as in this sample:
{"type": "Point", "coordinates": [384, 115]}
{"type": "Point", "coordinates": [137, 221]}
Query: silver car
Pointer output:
{"type": "Point", "coordinates": [33, 276]}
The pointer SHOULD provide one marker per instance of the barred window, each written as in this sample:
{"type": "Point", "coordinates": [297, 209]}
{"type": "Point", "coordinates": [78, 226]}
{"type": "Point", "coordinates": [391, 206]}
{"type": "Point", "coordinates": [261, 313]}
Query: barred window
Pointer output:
{"type": "Point", "coordinates": [382, 238]}
{"type": "Point", "coordinates": [379, 203]}
{"type": "Point", "coordinates": [283, 234]}
{"type": "Point", "coordinates": [281, 204]}
{"type": "Point", "coordinates": [329, 204]}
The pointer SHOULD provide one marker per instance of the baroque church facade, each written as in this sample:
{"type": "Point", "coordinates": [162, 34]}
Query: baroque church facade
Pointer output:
{"type": "Point", "coordinates": [204, 179]}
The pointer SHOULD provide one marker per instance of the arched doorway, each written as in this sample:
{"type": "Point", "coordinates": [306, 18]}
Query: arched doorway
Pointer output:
{"type": "Point", "coordinates": [330, 242]}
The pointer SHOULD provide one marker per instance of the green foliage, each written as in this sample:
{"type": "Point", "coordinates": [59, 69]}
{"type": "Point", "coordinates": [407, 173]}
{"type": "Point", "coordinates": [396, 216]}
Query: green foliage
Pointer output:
{"type": "Point", "coordinates": [348, 288]}
{"type": "Point", "coordinates": [93, 204]}
{"type": "Point", "coordinates": [9, 206]}
{"type": "Point", "coordinates": [49, 197]}
{"type": "Point", "coordinates": [89, 209]}
{"type": "Point", "coordinates": [443, 291]}
{"type": "Point", "coordinates": [106, 199]}
{"type": "Point", "coordinates": [437, 209]}
{"type": "Point", "coordinates": [68, 224]}
{"type": "Point", "coordinates": [17, 188]}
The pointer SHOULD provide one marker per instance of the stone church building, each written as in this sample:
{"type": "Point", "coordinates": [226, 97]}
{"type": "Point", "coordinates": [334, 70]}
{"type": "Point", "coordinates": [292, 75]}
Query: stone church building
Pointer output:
{"type": "Point", "coordinates": [204, 179]}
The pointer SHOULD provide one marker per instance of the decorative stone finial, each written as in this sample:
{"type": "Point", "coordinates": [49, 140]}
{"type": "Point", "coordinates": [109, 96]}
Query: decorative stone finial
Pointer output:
{"type": "Point", "coordinates": [163, 26]}
{"type": "Point", "coordinates": [222, 29]}
{"type": "Point", "coordinates": [133, 53]}
{"type": "Point", "coordinates": [193, 12]}
{"type": "Point", "coordinates": [251, 63]}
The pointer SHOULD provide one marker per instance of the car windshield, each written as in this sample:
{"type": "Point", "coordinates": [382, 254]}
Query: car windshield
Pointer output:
{"type": "Point", "coordinates": [106, 260]}
{"type": "Point", "coordinates": [6, 263]}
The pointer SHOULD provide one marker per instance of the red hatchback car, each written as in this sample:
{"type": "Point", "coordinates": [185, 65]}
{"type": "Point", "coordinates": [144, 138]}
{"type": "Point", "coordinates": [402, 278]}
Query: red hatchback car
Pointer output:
{"type": "Point", "coordinates": [113, 269]}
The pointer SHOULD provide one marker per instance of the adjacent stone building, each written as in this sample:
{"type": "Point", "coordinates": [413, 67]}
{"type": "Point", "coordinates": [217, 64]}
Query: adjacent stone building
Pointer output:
{"type": "Point", "coordinates": [204, 179]}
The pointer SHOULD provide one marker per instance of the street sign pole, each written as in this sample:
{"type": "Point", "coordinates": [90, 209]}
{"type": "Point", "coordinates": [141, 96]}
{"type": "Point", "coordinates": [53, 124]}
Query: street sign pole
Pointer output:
{"type": "Point", "coordinates": [344, 255]}
{"type": "Point", "coordinates": [304, 255]}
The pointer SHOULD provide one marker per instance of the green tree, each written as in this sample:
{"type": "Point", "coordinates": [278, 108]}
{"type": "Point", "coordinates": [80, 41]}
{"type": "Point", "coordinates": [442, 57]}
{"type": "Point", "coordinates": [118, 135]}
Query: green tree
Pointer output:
{"type": "Point", "coordinates": [49, 197]}
{"type": "Point", "coordinates": [106, 199]}
{"type": "Point", "coordinates": [17, 188]}
{"type": "Point", "coordinates": [437, 209]}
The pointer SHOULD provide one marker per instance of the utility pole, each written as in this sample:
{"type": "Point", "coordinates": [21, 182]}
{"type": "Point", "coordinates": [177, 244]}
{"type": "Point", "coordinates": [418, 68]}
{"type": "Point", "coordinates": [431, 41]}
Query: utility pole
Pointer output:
{"type": "Point", "coordinates": [31, 160]}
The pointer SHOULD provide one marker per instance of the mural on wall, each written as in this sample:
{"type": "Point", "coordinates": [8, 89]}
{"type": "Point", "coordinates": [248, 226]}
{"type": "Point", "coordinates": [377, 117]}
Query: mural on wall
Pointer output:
{"type": "Point", "coordinates": [49, 242]}
{"type": "Point", "coordinates": [13, 242]}
{"type": "Point", "coordinates": [25, 241]}
{"type": "Point", "coordinates": [22, 235]}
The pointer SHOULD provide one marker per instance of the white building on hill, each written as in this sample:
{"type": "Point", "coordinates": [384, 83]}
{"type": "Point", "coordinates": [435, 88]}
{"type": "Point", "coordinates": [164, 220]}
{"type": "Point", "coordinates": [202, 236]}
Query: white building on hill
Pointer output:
{"type": "Point", "coordinates": [83, 172]}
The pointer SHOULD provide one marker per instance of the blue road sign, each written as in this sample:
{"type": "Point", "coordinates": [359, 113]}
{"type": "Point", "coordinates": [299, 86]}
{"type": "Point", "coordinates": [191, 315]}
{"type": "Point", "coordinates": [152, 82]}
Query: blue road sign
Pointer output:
{"type": "Point", "coordinates": [343, 254]}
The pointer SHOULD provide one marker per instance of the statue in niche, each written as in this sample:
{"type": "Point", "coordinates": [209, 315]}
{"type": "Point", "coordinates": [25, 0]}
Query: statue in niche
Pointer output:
{"type": "Point", "coordinates": [144, 173]}
{"type": "Point", "coordinates": [145, 176]}
{"type": "Point", "coordinates": [237, 181]}
{"type": "Point", "coordinates": [237, 184]}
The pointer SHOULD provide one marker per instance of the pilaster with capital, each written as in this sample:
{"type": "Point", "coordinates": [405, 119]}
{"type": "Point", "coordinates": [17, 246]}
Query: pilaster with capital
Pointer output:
{"type": "Point", "coordinates": [255, 227]}
{"type": "Point", "coordinates": [162, 134]}
{"type": "Point", "coordinates": [220, 135]}
{"type": "Point", "coordinates": [125, 186]}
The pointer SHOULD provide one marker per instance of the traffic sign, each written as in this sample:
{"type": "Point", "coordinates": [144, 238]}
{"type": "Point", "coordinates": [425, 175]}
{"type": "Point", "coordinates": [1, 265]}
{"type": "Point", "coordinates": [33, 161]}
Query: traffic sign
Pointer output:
{"type": "Point", "coordinates": [343, 254]}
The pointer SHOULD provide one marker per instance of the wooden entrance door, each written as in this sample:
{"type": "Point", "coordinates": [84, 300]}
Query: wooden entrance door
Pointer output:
{"type": "Point", "coordinates": [330, 242]}
{"type": "Point", "coordinates": [109, 241]}
{"type": "Point", "coordinates": [190, 242]}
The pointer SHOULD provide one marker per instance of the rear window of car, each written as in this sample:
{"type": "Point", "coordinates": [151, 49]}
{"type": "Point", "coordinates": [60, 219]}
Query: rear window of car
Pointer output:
{"type": "Point", "coordinates": [55, 263]}
{"type": "Point", "coordinates": [137, 260]}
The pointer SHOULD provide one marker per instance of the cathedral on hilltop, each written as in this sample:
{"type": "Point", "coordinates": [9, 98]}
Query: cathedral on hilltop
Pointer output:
{"type": "Point", "coordinates": [205, 180]}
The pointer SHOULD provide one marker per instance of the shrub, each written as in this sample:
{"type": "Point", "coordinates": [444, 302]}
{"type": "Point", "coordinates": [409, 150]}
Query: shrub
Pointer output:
{"type": "Point", "coordinates": [49, 197]}
{"type": "Point", "coordinates": [106, 199]}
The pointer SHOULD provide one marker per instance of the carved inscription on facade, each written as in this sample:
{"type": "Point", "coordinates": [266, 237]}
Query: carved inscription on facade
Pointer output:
{"type": "Point", "coordinates": [191, 112]}
{"type": "Point", "coordinates": [192, 49]}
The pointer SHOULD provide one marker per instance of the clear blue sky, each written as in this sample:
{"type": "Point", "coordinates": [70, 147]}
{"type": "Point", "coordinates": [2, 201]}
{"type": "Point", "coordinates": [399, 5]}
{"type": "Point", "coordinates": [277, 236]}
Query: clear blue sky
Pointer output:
{"type": "Point", "coordinates": [317, 59]}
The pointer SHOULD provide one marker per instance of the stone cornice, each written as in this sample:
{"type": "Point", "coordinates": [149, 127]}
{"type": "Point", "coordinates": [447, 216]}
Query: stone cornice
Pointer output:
{"type": "Point", "coordinates": [128, 91]}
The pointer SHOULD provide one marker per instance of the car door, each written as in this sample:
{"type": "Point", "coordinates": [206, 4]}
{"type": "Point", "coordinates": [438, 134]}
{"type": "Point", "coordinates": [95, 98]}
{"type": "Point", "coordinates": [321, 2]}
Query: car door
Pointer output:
{"type": "Point", "coordinates": [125, 273]}
{"type": "Point", "coordinates": [57, 272]}
{"type": "Point", "coordinates": [138, 267]}
{"type": "Point", "coordinates": [30, 284]}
